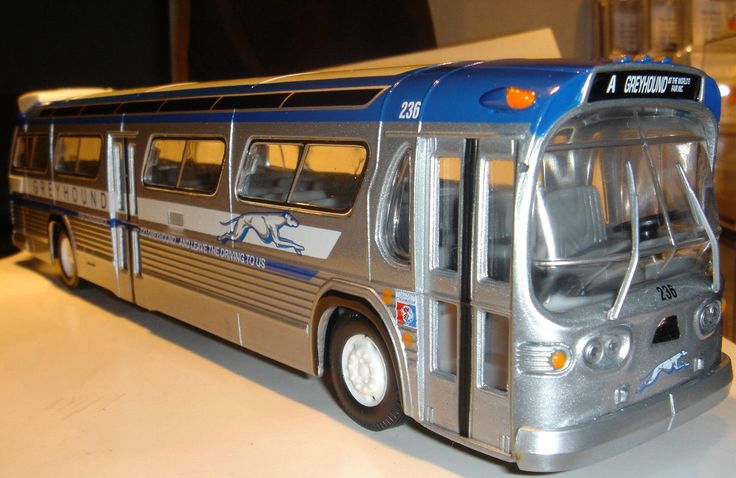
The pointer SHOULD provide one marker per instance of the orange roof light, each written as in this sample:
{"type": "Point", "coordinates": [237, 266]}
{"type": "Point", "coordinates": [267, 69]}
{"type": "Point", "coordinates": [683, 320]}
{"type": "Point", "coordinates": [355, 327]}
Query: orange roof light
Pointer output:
{"type": "Point", "coordinates": [519, 99]}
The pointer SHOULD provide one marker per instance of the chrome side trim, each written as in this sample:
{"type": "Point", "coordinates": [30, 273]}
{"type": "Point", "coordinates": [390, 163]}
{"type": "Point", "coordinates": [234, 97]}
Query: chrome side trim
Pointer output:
{"type": "Point", "coordinates": [473, 444]}
{"type": "Point", "coordinates": [453, 134]}
{"type": "Point", "coordinates": [135, 252]}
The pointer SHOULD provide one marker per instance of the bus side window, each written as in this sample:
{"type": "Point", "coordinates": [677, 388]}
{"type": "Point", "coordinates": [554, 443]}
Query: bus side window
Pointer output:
{"type": "Point", "coordinates": [397, 222]}
{"type": "Point", "coordinates": [185, 164]}
{"type": "Point", "coordinates": [39, 154]}
{"type": "Point", "coordinates": [500, 196]}
{"type": "Point", "coordinates": [88, 159]}
{"type": "Point", "coordinates": [325, 176]}
{"type": "Point", "coordinates": [78, 155]}
{"type": "Point", "coordinates": [31, 153]}
{"type": "Point", "coordinates": [164, 161]}
{"type": "Point", "coordinates": [21, 153]}
{"type": "Point", "coordinates": [67, 150]}
{"type": "Point", "coordinates": [268, 171]}
{"type": "Point", "coordinates": [330, 176]}
{"type": "Point", "coordinates": [202, 165]}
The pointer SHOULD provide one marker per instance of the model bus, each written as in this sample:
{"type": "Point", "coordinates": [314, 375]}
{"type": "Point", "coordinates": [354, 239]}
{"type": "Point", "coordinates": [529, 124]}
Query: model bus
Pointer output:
{"type": "Point", "coordinates": [521, 256]}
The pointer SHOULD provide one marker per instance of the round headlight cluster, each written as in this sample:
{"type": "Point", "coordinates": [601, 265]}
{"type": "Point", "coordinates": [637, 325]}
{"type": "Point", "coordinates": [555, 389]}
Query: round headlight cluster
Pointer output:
{"type": "Point", "coordinates": [709, 316]}
{"type": "Point", "coordinates": [607, 350]}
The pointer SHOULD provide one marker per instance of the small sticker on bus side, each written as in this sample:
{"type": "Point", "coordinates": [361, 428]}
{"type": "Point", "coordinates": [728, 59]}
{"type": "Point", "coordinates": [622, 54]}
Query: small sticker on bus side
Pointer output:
{"type": "Point", "coordinates": [406, 308]}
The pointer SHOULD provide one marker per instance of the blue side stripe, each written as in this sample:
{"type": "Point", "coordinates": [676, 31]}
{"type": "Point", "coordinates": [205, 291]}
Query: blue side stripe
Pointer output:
{"type": "Point", "coordinates": [24, 201]}
{"type": "Point", "coordinates": [283, 268]}
{"type": "Point", "coordinates": [291, 270]}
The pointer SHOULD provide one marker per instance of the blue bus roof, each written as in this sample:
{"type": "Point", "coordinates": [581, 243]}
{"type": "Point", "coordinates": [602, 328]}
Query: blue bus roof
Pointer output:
{"type": "Point", "coordinates": [316, 80]}
{"type": "Point", "coordinates": [448, 92]}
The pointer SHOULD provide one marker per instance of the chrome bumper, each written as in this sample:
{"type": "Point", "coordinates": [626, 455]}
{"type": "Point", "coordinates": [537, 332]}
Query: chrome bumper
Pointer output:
{"type": "Point", "coordinates": [572, 447]}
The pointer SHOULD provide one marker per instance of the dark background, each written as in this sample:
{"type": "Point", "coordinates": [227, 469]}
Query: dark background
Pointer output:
{"type": "Point", "coordinates": [50, 44]}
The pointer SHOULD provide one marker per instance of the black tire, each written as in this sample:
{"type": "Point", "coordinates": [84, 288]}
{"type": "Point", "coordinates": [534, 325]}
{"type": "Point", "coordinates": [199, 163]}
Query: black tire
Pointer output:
{"type": "Point", "coordinates": [66, 259]}
{"type": "Point", "coordinates": [382, 412]}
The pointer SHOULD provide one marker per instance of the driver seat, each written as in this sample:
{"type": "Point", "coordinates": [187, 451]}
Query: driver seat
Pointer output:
{"type": "Point", "coordinates": [575, 221]}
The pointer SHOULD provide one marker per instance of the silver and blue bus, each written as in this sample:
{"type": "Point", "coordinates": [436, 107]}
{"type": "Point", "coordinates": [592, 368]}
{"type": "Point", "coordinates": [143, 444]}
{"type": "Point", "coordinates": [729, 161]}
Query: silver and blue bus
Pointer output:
{"type": "Point", "coordinates": [520, 256]}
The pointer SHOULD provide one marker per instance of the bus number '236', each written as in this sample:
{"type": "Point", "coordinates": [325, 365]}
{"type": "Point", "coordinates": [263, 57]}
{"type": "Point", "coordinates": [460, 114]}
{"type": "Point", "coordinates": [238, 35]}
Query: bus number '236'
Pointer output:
{"type": "Point", "coordinates": [667, 292]}
{"type": "Point", "coordinates": [410, 109]}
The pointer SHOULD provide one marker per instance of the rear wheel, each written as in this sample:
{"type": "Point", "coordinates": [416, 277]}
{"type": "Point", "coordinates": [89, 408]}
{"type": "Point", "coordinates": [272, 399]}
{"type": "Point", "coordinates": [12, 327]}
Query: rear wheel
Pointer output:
{"type": "Point", "coordinates": [362, 374]}
{"type": "Point", "coordinates": [67, 259]}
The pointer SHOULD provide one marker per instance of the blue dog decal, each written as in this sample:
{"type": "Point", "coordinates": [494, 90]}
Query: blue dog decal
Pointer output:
{"type": "Point", "coordinates": [669, 366]}
{"type": "Point", "coordinates": [267, 225]}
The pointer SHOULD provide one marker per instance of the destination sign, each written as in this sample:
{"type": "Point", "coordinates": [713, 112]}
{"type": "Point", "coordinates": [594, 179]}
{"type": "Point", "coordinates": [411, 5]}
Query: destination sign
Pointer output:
{"type": "Point", "coordinates": [614, 85]}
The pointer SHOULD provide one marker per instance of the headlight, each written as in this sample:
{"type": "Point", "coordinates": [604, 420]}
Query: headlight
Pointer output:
{"type": "Point", "coordinates": [607, 350]}
{"type": "Point", "coordinates": [709, 316]}
{"type": "Point", "coordinates": [593, 351]}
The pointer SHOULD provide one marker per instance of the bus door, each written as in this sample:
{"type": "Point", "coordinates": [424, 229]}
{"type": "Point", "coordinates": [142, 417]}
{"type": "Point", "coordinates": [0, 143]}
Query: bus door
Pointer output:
{"type": "Point", "coordinates": [466, 337]}
{"type": "Point", "coordinates": [121, 149]}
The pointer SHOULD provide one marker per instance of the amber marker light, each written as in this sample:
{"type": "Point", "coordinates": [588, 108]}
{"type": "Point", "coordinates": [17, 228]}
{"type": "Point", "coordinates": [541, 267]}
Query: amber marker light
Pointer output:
{"type": "Point", "coordinates": [519, 99]}
{"type": "Point", "coordinates": [408, 339]}
{"type": "Point", "coordinates": [558, 360]}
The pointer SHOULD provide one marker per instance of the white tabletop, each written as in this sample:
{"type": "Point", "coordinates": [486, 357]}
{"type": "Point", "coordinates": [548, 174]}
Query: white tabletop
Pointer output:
{"type": "Point", "coordinates": [93, 386]}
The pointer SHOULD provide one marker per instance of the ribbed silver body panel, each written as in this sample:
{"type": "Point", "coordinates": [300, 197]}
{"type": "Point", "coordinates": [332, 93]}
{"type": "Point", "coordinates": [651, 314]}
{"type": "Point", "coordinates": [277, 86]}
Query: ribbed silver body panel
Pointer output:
{"type": "Point", "coordinates": [283, 297]}
{"type": "Point", "coordinates": [93, 239]}
{"type": "Point", "coordinates": [34, 222]}
{"type": "Point", "coordinates": [30, 230]}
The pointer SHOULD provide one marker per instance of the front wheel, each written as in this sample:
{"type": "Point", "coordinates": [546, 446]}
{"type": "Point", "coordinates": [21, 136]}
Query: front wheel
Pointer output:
{"type": "Point", "coordinates": [363, 376]}
{"type": "Point", "coordinates": [67, 260]}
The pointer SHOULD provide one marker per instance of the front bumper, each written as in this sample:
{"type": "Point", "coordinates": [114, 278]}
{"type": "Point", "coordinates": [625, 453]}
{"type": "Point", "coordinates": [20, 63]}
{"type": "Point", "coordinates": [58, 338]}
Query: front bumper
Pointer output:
{"type": "Point", "coordinates": [579, 445]}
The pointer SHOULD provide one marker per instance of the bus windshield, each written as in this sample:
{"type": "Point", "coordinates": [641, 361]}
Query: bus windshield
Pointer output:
{"type": "Point", "coordinates": [584, 226]}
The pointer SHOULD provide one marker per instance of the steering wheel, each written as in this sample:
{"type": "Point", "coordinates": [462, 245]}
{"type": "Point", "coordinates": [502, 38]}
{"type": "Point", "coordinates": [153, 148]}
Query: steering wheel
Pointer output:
{"type": "Point", "coordinates": [648, 226]}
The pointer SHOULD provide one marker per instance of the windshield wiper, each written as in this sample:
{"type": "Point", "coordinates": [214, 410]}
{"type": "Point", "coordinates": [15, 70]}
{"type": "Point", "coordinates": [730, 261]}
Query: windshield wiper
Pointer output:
{"type": "Point", "coordinates": [699, 214]}
{"type": "Point", "coordinates": [655, 181]}
{"type": "Point", "coordinates": [634, 262]}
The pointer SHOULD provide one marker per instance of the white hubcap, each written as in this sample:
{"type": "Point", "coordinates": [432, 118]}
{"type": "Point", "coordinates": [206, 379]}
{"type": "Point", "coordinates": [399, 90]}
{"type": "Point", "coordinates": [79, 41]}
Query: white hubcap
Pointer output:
{"type": "Point", "coordinates": [66, 256]}
{"type": "Point", "coordinates": [364, 370]}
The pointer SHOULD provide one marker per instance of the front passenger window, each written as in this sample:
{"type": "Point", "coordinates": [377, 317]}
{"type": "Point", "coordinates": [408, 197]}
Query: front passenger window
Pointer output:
{"type": "Point", "coordinates": [397, 220]}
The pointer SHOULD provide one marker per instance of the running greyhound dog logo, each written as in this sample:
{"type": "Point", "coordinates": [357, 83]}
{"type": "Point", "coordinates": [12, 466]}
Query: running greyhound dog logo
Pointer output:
{"type": "Point", "coordinates": [267, 225]}
{"type": "Point", "coordinates": [669, 366]}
